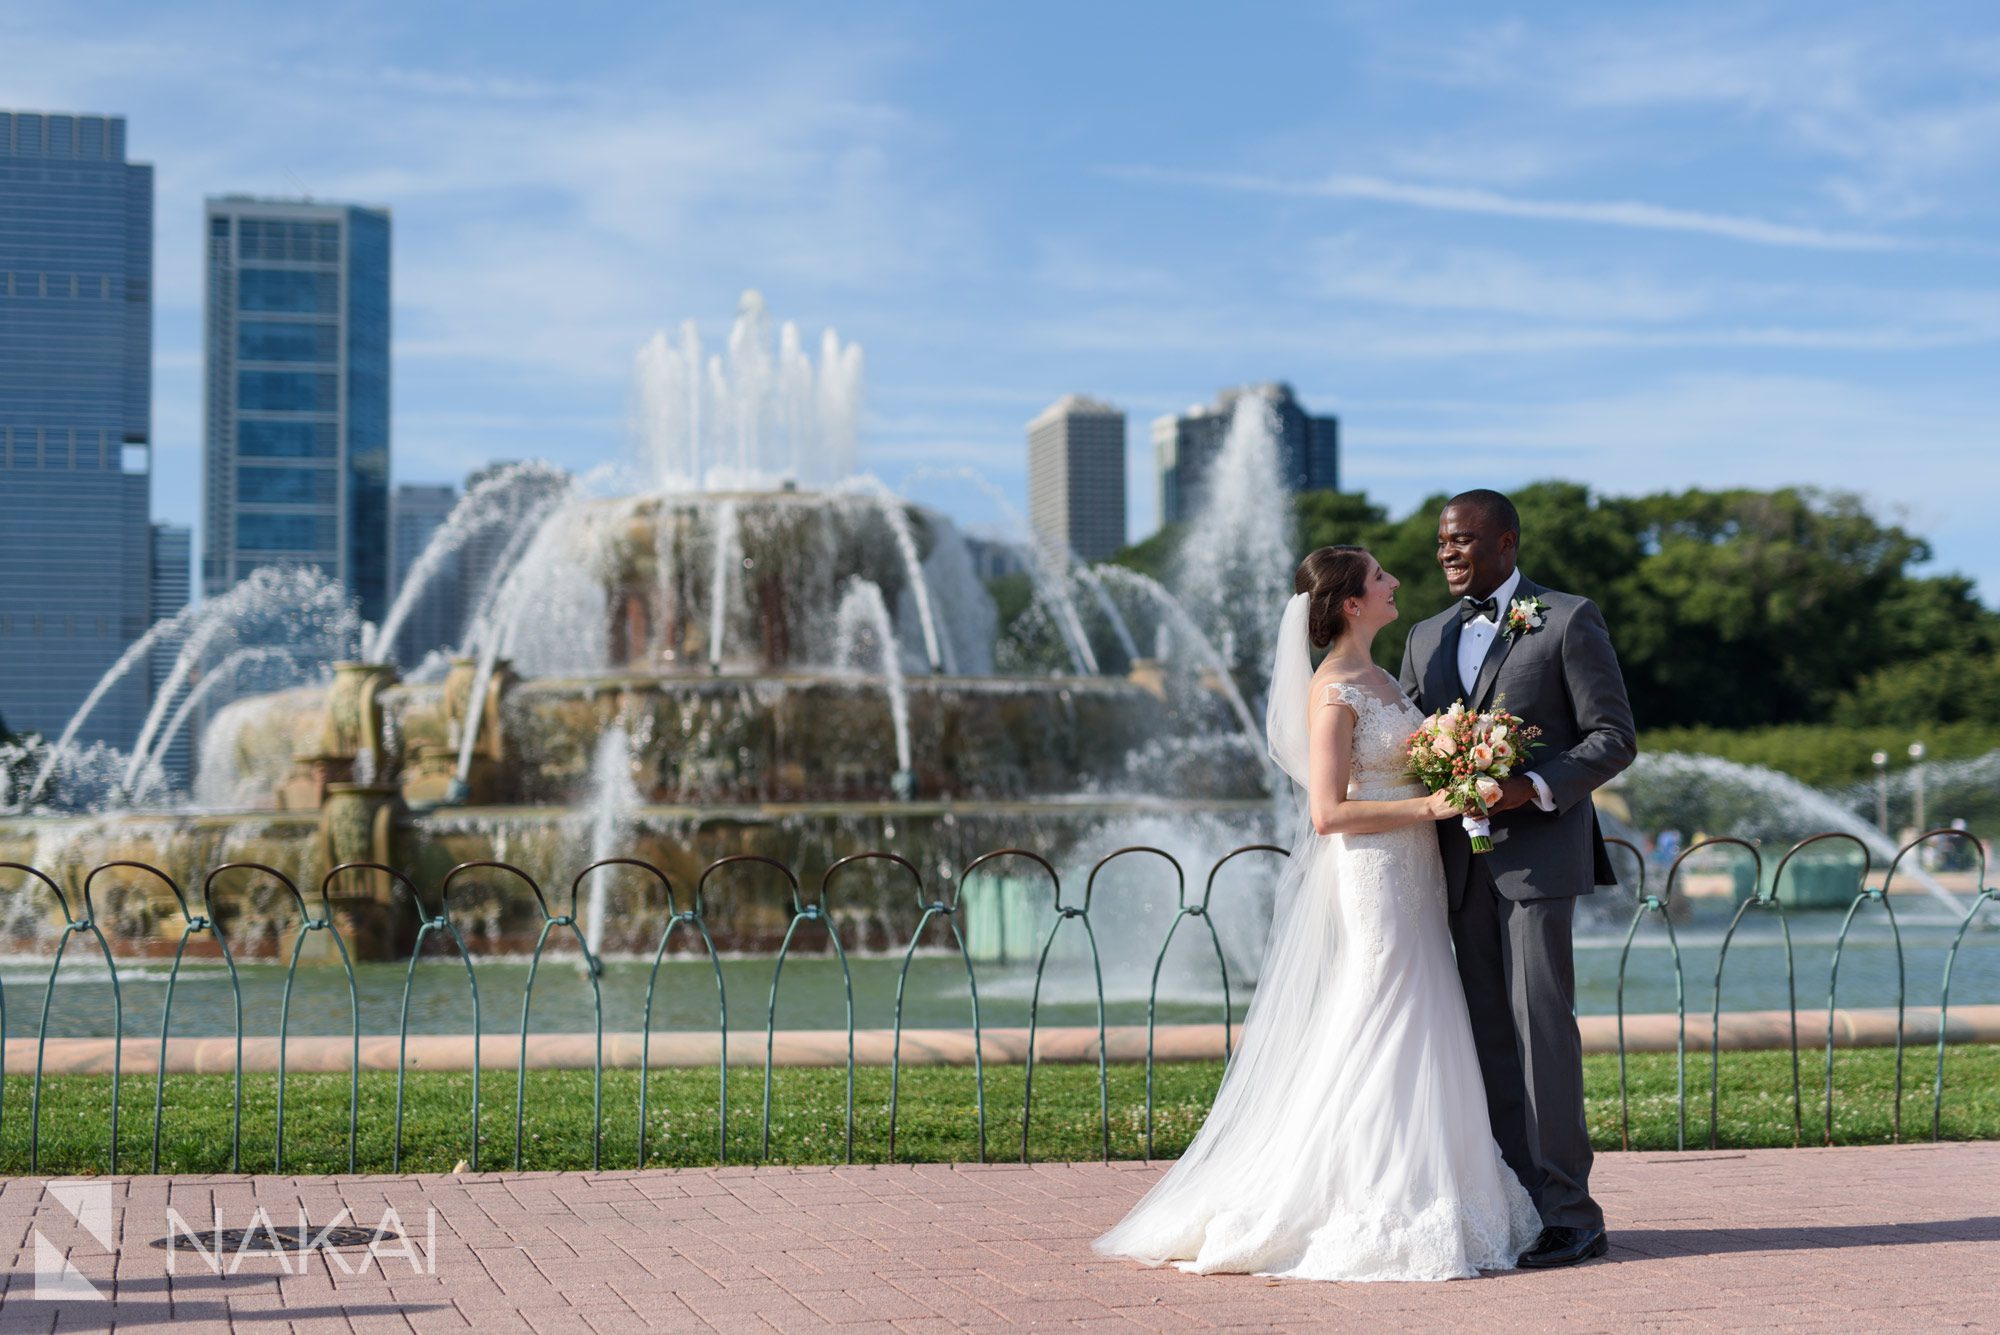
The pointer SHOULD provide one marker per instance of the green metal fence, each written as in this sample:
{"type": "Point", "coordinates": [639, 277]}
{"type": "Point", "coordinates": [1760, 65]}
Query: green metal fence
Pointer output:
{"type": "Point", "coordinates": [316, 915]}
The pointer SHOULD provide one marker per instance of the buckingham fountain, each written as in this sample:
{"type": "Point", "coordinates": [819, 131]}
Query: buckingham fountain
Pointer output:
{"type": "Point", "coordinates": [756, 650]}
{"type": "Point", "coordinates": [740, 644]}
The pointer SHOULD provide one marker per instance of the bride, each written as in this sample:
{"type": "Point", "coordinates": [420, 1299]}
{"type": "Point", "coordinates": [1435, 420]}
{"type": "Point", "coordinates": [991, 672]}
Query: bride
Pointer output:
{"type": "Point", "coordinates": [1349, 1139]}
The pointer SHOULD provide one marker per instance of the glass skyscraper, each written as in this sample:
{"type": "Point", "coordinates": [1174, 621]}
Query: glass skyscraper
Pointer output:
{"type": "Point", "coordinates": [1185, 446]}
{"type": "Point", "coordinates": [297, 380]}
{"type": "Point", "coordinates": [76, 349]}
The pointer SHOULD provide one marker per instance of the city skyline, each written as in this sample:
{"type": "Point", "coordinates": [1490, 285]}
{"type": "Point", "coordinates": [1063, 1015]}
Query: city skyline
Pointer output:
{"type": "Point", "coordinates": [1713, 248]}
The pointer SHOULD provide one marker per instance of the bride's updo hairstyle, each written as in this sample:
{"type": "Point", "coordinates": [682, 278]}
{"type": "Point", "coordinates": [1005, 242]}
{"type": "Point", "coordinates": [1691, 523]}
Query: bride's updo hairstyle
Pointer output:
{"type": "Point", "coordinates": [1331, 575]}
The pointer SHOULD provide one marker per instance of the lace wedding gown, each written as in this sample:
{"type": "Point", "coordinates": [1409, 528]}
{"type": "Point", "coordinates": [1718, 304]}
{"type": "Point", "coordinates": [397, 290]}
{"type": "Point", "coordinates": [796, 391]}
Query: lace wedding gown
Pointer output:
{"type": "Point", "coordinates": [1349, 1139]}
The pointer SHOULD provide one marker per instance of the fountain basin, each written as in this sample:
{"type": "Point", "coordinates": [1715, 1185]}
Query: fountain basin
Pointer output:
{"type": "Point", "coordinates": [748, 907]}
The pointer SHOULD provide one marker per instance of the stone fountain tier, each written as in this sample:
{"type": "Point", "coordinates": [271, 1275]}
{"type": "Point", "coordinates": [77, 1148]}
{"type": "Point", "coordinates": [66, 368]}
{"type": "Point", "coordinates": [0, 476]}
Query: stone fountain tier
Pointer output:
{"type": "Point", "coordinates": [753, 737]}
{"type": "Point", "coordinates": [806, 737]}
{"type": "Point", "coordinates": [747, 905]}
{"type": "Point", "coordinates": [709, 578]}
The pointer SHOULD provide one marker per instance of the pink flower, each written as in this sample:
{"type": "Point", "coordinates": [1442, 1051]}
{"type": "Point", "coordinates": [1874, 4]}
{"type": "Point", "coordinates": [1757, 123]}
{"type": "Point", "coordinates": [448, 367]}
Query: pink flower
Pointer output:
{"type": "Point", "coordinates": [1482, 755]}
{"type": "Point", "coordinates": [1445, 745]}
{"type": "Point", "coordinates": [1503, 751]}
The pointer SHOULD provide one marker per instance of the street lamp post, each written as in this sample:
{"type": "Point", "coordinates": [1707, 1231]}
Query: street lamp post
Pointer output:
{"type": "Point", "coordinates": [1917, 781]}
{"type": "Point", "coordinates": [1881, 759]}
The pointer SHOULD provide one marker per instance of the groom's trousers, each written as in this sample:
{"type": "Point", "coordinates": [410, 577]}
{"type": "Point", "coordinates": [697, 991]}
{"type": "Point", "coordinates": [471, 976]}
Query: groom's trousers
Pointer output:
{"type": "Point", "coordinates": [1519, 970]}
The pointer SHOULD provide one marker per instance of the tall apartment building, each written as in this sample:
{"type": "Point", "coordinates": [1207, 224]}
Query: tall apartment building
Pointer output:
{"type": "Point", "coordinates": [1185, 447]}
{"type": "Point", "coordinates": [296, 465]}
{"type": "Point", "coordinates": [1076, 476]}
{"type": "Point", "coordinates": [436, 621]}
{"type": "Point", "coordinates": [172, 587]}
{"type": "Point", "coordinates": [76, 383]}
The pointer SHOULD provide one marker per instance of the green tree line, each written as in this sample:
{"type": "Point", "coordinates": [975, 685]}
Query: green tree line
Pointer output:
{"type": "Point", "coordinates": [1730, 609]}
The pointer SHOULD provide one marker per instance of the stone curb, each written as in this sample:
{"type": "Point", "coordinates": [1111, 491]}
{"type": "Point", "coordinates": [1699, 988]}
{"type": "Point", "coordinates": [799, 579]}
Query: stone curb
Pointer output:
{"type": "Point", "coordinates": [1741, 1031]}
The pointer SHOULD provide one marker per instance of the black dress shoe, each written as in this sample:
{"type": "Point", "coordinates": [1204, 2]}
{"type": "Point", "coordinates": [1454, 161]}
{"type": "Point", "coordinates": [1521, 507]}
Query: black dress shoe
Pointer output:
{"type": "Point", "coordinates": [1559, 1246]}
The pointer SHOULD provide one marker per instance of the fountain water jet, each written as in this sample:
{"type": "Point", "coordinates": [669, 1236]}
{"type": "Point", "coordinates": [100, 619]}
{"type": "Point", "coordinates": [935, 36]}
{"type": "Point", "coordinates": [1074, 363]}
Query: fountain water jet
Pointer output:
{"type": "Point", "coordinates": [728, 552]}
{"type": "Point", "coordinates": [297, 607]}
{"type": "Point", "coordinates": [740, 423]}
{"type": "Point", "coordinates": [1805, 809]}
{"type": "Point", "coordinates": [511, 496]}
{"type": "Point", "coordinates": [1234, 570]}
{"type": "Point", "coordinates": [614, 807]}
{"type": "Point", "coordinates": [111, 677]}
{"type": "Point", "coordinates": [223, 672]}
{"type": "Point", "coordinates": [1088, 575]}
{"type": "Point", "coordinates": [1049, 573]}
{"type": "Point", "coordinates": [1205, 650]}
{"type": "Point", "coordinates": [862, 614]}
{"type": "Point", "coordinates": [898, 523]}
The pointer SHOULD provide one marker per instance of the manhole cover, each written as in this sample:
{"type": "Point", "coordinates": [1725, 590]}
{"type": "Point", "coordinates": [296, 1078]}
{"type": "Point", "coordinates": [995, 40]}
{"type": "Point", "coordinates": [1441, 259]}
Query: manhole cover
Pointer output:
{"type": "Point", "coordinates": [272, 1238]}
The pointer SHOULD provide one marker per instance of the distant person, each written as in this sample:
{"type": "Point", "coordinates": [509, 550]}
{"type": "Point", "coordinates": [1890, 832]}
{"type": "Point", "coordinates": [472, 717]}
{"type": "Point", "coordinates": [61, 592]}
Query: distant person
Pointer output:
{"type": "Point", "coordinates": [1667, 847]}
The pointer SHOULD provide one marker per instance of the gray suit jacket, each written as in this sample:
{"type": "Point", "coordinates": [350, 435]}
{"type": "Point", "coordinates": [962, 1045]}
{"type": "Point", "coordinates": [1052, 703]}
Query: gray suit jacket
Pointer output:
{"type": "Point", "coordinates": [1562, 677]}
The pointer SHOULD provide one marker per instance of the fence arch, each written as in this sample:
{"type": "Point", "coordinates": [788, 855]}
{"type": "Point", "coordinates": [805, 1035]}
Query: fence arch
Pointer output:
{"type": "Point", "coordinates": [932, 907]}
{"type": "Point", "coordinates": [209, 921]}
{"type": "Point", "coordinates": [676, 916]}
{"type": "Point", "coordinates": [1985, 894]}
{"type": "Point", "coordinates": [1880, 895]}
{"type": "Point", "coordinates": [1774, 904]}
{"type": "Point", "coordinates": [426, 924]}
{"type": "Point", "coordinates": [1064, 913]}
{"type": "Point", "coordinates": [74, 926]}
{"type": "Point", "coordinates": [1649, 904]}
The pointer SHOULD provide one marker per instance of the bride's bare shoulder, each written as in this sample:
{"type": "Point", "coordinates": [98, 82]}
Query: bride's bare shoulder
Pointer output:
{"type": "Point", "coordinates": [1330, 688]}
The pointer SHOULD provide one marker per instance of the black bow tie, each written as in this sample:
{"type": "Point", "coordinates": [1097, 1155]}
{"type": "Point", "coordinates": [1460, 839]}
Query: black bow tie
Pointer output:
{"type": "Point", "coordinates": [1470, 610]}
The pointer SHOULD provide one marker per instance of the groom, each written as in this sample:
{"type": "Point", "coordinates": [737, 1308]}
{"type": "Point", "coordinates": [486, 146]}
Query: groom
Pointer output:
{"type": "Point", "coordinates": [1548, 657]}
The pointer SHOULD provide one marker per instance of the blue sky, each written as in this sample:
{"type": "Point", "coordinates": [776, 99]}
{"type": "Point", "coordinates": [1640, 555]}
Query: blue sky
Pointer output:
{"type": "Point", "coordinates": [1643, 247]}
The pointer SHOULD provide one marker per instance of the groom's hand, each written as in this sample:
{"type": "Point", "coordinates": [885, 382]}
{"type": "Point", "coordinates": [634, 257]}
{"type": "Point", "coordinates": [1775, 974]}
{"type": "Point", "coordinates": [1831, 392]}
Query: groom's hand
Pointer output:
{"type": "Point", "coordinates": [1516, 790]}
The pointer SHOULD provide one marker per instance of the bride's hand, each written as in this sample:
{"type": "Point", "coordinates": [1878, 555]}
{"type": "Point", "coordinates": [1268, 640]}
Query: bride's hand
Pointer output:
{"type": "Point", "coordinates": [1440, 806]}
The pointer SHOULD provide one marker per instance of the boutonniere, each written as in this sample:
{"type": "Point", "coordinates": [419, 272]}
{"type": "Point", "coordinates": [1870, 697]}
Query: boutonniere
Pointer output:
{"type": "Point", "coordinates": [1525, 616]}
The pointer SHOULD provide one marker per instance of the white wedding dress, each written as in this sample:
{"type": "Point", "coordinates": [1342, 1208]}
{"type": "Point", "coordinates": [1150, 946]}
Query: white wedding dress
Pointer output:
{"type": "Point", "coordinates": [1349, 1139]}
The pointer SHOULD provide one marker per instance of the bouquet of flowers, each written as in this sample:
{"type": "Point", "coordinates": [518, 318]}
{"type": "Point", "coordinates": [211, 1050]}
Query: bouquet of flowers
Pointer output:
{"type": "Point", "coordinates": [1466, 754]}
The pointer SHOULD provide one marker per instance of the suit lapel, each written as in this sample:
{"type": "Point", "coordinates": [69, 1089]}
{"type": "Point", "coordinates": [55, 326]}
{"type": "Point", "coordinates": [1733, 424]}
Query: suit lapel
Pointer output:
{"type": "Point", "coordinates": [1496, 652]}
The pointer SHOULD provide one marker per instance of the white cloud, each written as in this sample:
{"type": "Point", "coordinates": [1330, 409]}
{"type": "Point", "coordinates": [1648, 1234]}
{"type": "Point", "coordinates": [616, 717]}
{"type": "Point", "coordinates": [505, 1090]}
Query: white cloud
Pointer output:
{"type": "Point", "coordinates": [1356, 268]}
{"type": "Point", "coordinates": [1476, 200]}
{"type": "Point", "coordinates": [1219, 332]}
{"type": "Point", "coordinates": [538, 221]}
{"type": "Point", "coordinates": [1906, 109]}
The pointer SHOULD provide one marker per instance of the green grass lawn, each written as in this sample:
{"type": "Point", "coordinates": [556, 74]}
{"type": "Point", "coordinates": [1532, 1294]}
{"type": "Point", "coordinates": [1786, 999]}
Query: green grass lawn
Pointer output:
{"type": "Point", "coordinates": [937, 1118]}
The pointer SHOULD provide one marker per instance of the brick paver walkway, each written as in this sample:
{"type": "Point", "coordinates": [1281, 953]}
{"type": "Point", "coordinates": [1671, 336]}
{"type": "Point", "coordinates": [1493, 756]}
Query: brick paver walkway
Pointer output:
{"type": "Point", "coordinates": [1905, 1238]}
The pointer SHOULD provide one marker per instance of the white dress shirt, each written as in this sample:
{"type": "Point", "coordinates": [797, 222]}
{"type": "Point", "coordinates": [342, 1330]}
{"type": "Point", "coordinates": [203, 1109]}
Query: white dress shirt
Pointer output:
{"type": "Point", "coordinates": [1475, 639]}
